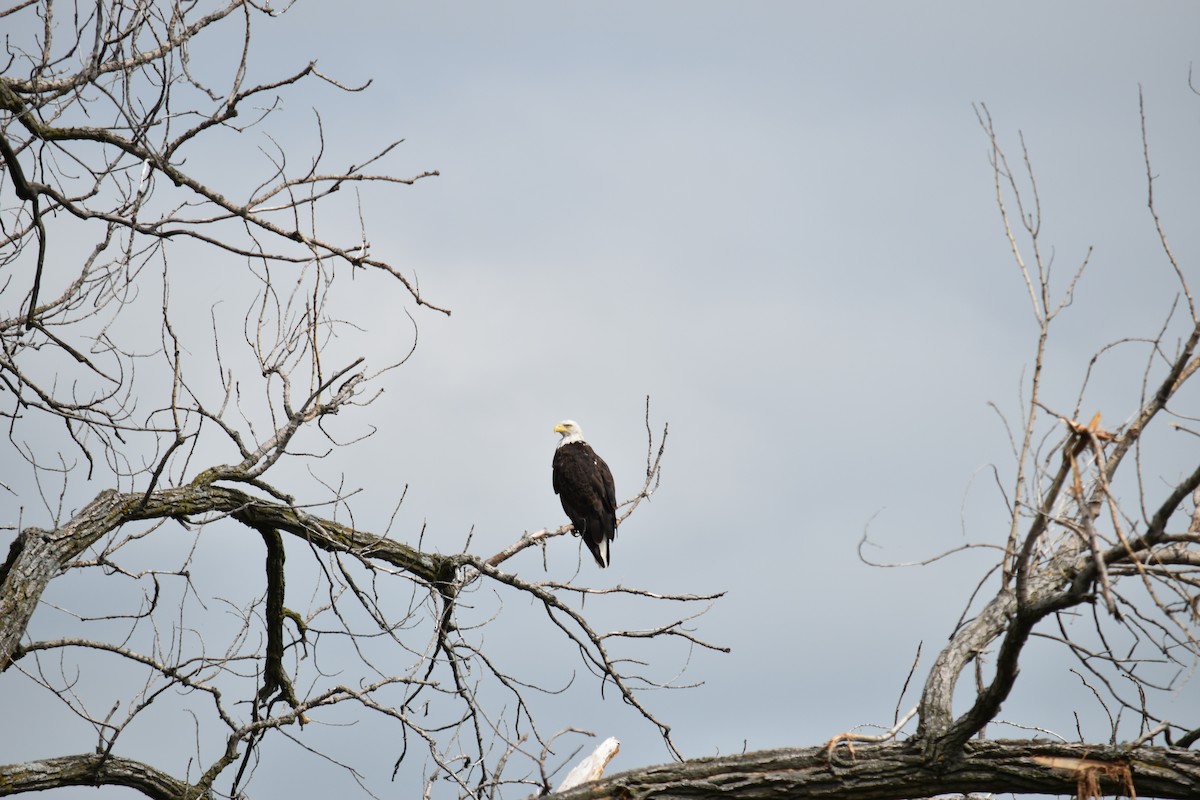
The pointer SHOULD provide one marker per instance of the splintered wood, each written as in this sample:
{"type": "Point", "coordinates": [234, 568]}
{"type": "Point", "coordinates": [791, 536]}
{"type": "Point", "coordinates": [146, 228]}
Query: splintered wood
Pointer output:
{"type": "Point", "coordinates": [592, 767]}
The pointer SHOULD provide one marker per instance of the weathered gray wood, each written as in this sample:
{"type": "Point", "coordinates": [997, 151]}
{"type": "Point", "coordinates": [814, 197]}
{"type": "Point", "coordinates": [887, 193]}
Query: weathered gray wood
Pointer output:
{"type": "Point", "coordinates": [89, 769]}
{"type": "Point", "coordinates": [900, 772]}
{"type": "Point", "coordinates": [876, 772]}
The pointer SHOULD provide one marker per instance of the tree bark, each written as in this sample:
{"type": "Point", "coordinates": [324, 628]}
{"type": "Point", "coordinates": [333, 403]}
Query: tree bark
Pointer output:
{"type": "Point", "coordinates": [89, 769]}
{"type": "Point", "coordinates": [876, 772]}
{"type": "Point", "coordinates": [899, 771]}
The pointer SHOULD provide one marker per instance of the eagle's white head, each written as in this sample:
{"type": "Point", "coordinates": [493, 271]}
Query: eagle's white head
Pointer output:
{"type": "Point", "coordinates": [570, 430]}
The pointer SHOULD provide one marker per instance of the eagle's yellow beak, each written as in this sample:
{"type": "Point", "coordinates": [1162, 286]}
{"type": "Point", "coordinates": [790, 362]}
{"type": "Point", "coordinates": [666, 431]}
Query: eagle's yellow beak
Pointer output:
{"type": "Point", "coordinates": [560, 428]}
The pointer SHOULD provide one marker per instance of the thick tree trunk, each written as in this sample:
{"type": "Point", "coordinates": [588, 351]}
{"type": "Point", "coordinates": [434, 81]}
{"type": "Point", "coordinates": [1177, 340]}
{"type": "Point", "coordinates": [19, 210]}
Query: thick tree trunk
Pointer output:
{"type": "Point", "coordinates": [900, 772]}
{"type": "Point", "coordinates": [37, 556]}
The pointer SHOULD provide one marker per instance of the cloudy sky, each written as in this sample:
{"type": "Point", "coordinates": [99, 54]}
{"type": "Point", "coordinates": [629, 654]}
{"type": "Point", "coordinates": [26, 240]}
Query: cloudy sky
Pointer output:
{"type": "Point", "coordinates": [778, 221]}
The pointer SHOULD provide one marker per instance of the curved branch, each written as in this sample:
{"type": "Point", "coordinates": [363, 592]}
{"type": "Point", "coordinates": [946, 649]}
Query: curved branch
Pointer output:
{"type": "Point", "coordinates": [89, 769]}
{"type": "Point", "coordinates": [38, 555]}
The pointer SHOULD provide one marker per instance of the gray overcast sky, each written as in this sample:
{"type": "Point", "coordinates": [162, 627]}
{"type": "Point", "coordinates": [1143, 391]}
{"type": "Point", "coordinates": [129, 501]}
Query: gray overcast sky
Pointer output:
{"type": "Point", "coordinates": [778, 221]}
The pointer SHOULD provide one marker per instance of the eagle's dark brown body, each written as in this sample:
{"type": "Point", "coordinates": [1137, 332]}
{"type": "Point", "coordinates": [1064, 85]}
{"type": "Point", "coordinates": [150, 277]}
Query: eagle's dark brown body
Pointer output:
{"type": "Point", "coordinates": [584, 484]}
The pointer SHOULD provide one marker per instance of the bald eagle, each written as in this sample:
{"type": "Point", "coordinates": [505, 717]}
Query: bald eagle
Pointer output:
{"type": "Point", "coordinates": [584, 484]}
